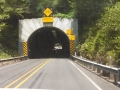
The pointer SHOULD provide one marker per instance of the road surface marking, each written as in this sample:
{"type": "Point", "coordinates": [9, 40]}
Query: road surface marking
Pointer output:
{"type": "Point", "coordinates": [31, 75]}
{"type": "Point", "coordinates": [86, 76]}
{"type": "Point", "coordinates": [25, 74]}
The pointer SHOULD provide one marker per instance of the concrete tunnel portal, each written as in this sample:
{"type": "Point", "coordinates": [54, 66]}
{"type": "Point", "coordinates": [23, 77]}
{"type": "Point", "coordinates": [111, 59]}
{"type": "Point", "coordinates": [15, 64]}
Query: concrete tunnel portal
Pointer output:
{"type": "Point", "coordinates": [41, 43]}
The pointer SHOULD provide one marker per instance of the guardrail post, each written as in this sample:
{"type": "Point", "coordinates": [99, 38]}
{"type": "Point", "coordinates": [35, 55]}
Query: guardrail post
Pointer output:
{"type": "Point", "coordinates": [90, 67]}
{"type": "Point", "coordinates": [119, 74]}
{"type": "Point", "coordinates": [115, 81]}
{"type": "Point", "coordinates": [98, 70]}
{"type": "Point", "coordinates": [0, 64]}
{"type": "Point", "coordinates": [118, 82]}
{"type": "Point", "coordinates": [94, 69]}
{"type": "Point", "coordinates": [117, 77]}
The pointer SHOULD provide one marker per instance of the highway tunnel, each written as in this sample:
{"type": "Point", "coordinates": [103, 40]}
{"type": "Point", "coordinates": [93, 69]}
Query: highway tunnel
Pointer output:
{"type": "Point", "coordinates": [41, 43]}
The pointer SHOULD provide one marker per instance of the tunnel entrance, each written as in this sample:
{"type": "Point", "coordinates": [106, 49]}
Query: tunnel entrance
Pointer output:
{"type": "Point", "coordinates": [42, 43]}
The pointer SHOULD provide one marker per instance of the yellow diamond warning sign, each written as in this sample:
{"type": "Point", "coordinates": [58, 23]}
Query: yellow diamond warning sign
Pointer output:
{"type": "Point", "coordinates": [47, 12]}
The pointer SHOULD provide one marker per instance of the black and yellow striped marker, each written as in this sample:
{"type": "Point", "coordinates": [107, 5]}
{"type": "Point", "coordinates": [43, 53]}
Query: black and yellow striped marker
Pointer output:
{"type": "Point", "coordinates": [72, 51]}
{"type": "Point", "coordinates": [25, 49]}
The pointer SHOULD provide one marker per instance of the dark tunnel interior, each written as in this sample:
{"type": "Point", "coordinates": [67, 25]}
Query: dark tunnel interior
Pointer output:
{"type": "Point", "coordinates": [41, 43]}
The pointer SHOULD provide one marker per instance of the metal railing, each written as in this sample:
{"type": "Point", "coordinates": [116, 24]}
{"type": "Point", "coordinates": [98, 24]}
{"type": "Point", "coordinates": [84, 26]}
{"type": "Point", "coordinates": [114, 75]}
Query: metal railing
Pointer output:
{"type": "Point", "coordinates": [7, 61]}
{"type": "Point", "coordinates": [108, 69]}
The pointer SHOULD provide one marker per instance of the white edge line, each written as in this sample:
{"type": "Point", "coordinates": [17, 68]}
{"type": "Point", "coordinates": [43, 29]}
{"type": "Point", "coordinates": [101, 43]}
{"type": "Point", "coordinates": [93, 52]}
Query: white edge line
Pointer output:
{"type": "Point", "coordinates": [86, 76]}
{"type": "Point", "coordinates": [13, 64]}
{"type": "Point", "coordinates": [22, 89]}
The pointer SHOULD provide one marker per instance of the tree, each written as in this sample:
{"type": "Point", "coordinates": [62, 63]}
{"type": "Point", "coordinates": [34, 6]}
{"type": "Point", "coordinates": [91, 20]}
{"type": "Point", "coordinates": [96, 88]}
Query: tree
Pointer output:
{"type": "Point", "coordinates": [10, 12]}
{"type": "Point", "coordinates": [105, 35]}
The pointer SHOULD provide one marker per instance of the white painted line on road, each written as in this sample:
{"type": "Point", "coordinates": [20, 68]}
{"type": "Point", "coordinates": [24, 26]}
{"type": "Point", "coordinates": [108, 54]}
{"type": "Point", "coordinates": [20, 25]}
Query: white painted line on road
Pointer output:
{"type": "Point", "coordinates": [21, 89]}
{"type": "Point", "coordinates": [86, 76]}
{"type": "Point", "coordinates": [13, 64]}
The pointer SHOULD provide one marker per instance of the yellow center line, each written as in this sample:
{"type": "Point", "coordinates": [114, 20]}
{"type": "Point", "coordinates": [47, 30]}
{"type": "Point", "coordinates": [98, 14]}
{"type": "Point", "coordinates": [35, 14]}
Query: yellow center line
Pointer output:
{"type": "Point", "coordinates": [25, 74]}
{"type": "Point", "coordinates": [31, 75]}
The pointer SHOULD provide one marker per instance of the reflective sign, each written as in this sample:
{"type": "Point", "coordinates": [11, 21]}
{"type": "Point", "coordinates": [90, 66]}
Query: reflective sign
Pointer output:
{"type": "Point", "coordinates": [69, 32]}
{"type": "Point", "coordinates": [72, 37]}
{"type": "Point", "coordinates": [47, 19]}
{"type": "Point", "coordinates": [47, 12]}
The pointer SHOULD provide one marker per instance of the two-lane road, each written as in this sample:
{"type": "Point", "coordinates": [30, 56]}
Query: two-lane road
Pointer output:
{"type": "Point", "coordinates": [61, 74]}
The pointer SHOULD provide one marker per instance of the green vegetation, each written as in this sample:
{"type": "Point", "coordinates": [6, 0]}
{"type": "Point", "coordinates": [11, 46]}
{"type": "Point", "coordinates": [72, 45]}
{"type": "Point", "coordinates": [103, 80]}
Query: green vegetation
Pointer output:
{"type": "Point", "coordinates": [103, 40]}
{"type": "Point", "coordinates": [10, 12]}
{"type": "Point", "coordinates": [99, 28]}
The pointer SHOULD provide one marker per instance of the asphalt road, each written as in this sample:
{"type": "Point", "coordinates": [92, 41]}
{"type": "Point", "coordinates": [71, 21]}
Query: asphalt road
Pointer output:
{"type": "Point", "coordinates": [61, 74]}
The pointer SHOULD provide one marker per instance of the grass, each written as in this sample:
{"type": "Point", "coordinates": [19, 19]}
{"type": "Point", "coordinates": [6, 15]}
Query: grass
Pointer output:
{"type": "Point", "coordinates": [8, 54]}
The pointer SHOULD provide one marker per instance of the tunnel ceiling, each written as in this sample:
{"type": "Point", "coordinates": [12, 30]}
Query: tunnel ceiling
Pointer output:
{"type": "Point", "coordinates": [41, 43]}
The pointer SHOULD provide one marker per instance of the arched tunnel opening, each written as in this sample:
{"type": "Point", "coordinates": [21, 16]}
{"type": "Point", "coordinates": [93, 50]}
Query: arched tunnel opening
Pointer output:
{"type": "Point", "coordinates": [48, 42]}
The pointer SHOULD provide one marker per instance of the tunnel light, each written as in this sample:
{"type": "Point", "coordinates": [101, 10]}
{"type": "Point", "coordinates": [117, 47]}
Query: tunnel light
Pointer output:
{"type": "Point", "coordinates": [54, 33]}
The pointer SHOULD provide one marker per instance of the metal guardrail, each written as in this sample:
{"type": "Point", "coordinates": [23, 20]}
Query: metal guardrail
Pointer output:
{"type": "Point", "coordinates": [12, 60]}
{"type": "Point", "coordinates": [109, 69]}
